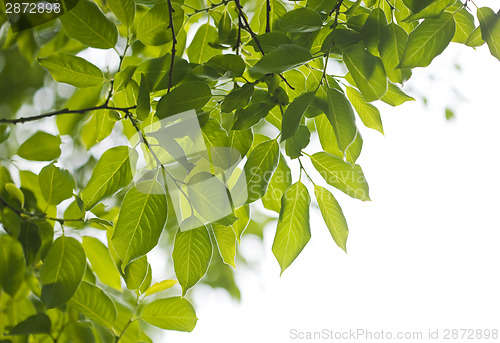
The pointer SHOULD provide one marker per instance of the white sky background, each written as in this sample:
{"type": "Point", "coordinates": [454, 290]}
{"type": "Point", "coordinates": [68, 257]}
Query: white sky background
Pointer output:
{"type": "Point", "coordinates": [422, 255]}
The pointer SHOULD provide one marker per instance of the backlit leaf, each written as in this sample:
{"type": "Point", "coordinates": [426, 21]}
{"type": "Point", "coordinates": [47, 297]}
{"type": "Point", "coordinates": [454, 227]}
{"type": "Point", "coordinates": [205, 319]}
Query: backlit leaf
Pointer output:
{"type": "Point", "coordinates": [173, 313]}
{"type": "Point", "coordinates": [56, 184]}
{"type": "Point", "coordinates": [41, 146]}
{"type": "Point", "coordinates": [93, 303]}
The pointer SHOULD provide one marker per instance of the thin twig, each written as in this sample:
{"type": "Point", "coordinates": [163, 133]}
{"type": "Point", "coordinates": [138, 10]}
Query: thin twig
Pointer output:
{"type": "Point", "coordinates": [174, 42]}
{"type": "Point", "coordinates": [247, 27]}
{"type": "Point", "coordinates": [104, 106]}
{"type": "Point", "coordinates": [268, 15]}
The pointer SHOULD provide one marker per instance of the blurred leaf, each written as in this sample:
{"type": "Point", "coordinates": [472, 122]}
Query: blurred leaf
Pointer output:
{"type": "Point", "coordinates": [12, 265]}
{"type": "Point", "coordinates": [490, 29]}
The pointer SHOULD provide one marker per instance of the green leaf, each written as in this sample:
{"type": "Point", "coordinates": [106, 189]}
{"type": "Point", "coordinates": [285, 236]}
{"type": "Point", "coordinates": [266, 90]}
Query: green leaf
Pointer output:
{"type": "Point", "coordinates": [240, 140]}
{"type": "Point", "coordinates": [143, 100]}
{"type": "Point", "coordinates": [154, 28]}
{"type": "Point", "coordinates": [157, 71]}
{"type": "Point", "coordinates": [123, 77]}
{"type": "Point", "coordinates": [12, 264]}
{"type": "Point", "coordinates": [427, 41]}
{"type": "Point", "coordinates": [62, 271]}
{"type": "Point", "coordinates": [369, 114]}
{"type": "Point", "coordinates": [208, 195]}
{"type": "Point", "coordinates": [226, 242]}
{"type": "Point", "coordinates": [280, 181]}
{"type": "Point", "coordinates": [112, 172]}
{"type": "Point", "coordinates": [297, 142]}
{"type": "Point", "coordinates": [173, 313]}
{"type": "Point", "coordinates": [368, 72]}
{"type": "Point", "coordinates": [93, 303]}
{"type": "Point", "coordinates": [293, 230]}
{"type": "Point", "coordinates": [327, 136]}
{"type": "Point", "coordinates": [417, 5]}
{"type": "Point", "coordinates": [124, 10]}
{"type": "Point", "coordinates": [135, 272]}
{"type": "Point", "coordinates": [228, 63]}
{"type": "Point", "coordinates": [392, 47]}
{"type": "Point", "coordinates": [301, 20]}
{"type": "Point", "coordinates": [200, 51]}
{"type": "Point", "coordinates": [433, 10]}
{"type": "Point", "coordinates": [283, 58]}
{"type": "Point", "coordinates": [41, 146]}
{"type": "Point", "coordinates": [15, 192]}
{"type": "Point", "coordinates": [101, 262]}
{"type": "Point", "coordinates": [475, 39]}
{"type": "Point", "coordinates": [352, 153]}
{"type": "Point", "coordinates": [270, 41]}
{"type": "Point", "coordinates": [464, 26]}
{"type": "Point", "coordinates": [188, 96]}
{"type": "Point", "coordinates": [160, 286]}
{"type": "Point", "coordinates": [395, 96]}
{"type": "Point", "coordinates": [333, 216]}
{"type": "Point", "coordinates": [340, 114]}
{"type": "Point", "coordinates": [140, 223]}
{"type": "Point", "coordinates": [56, 184]}
{"type": "Point", "coordinates": [192, 254]}
{"type": "Point", "coordinates": [293, 114]}
{"type": "Point", "coordinates": [342, 175]}
{"type": "Point", "coordinates": [250, 116]}
{"type": "Point", "coordinates": [73, 70]}
{"type": "Point", "coordinates": [243, 214]}
{"type": "Point", "coordinates": [225, 26]}
{"type": "Point", "coordinates": [30, 239]}
{"type": "Point", "coordinates": [372, 30]}
{"type": "Point", "coordinates": [35, 324]}
{"type": "Point", "coordinates": [490, 29]}
{"type": "Point", "coordinates": [259, 168]}
{"type": "Point", "coordinates": [238, 98]}
{"type": "Point", "coordinates": [87, 24]}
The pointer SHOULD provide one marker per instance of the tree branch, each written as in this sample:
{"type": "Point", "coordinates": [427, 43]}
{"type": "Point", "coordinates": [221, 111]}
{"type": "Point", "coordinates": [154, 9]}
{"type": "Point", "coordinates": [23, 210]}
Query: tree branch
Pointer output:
{"type": "Point", "coordinates": [268, 15]}
{"type": "Point", "coordinates": [104, 106]}
{"type": "Point", "coordinates": [247, 27]}
{"type": "Point", "coordinates": [174, 41]}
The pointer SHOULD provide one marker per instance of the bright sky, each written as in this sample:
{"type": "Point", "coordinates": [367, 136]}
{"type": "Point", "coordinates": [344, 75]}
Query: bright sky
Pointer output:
{"type": "Point", "coordinates": [422, 255]}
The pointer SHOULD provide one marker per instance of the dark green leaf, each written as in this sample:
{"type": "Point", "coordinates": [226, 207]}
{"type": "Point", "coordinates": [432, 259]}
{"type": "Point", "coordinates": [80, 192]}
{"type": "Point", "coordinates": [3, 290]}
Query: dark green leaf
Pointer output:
{"type": "Point", "coordinates": [238, 98]}
{"type": "Point", "coordinates": [36, 324]}
{"type": "Point", "coordinates": [228, 63]}
{"type": "Point", "coordinates": [301, 20]}
{"type": "Point", "coordinates": [12, 264]}
{"type": "Point", "coordinates": [283, 58]}
{"type": "Point", "coordinates": [248, 117]}
{"type": "Point", "coordinates": [297, 142]}
{"type": "Point", "coordinates": [188, 96]}
{"type": "Point", "coordinates": [143, 101]}
{"type": "Point", "coordinates": [294, 113]}
{"type": "Point", "coordinates": [368, 72]}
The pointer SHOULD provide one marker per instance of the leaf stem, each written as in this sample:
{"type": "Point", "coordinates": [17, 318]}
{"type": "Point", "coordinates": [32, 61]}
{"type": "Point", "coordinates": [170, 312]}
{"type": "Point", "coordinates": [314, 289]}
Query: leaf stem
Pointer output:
{"type": "Point", "coordinates": [174, 42]}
